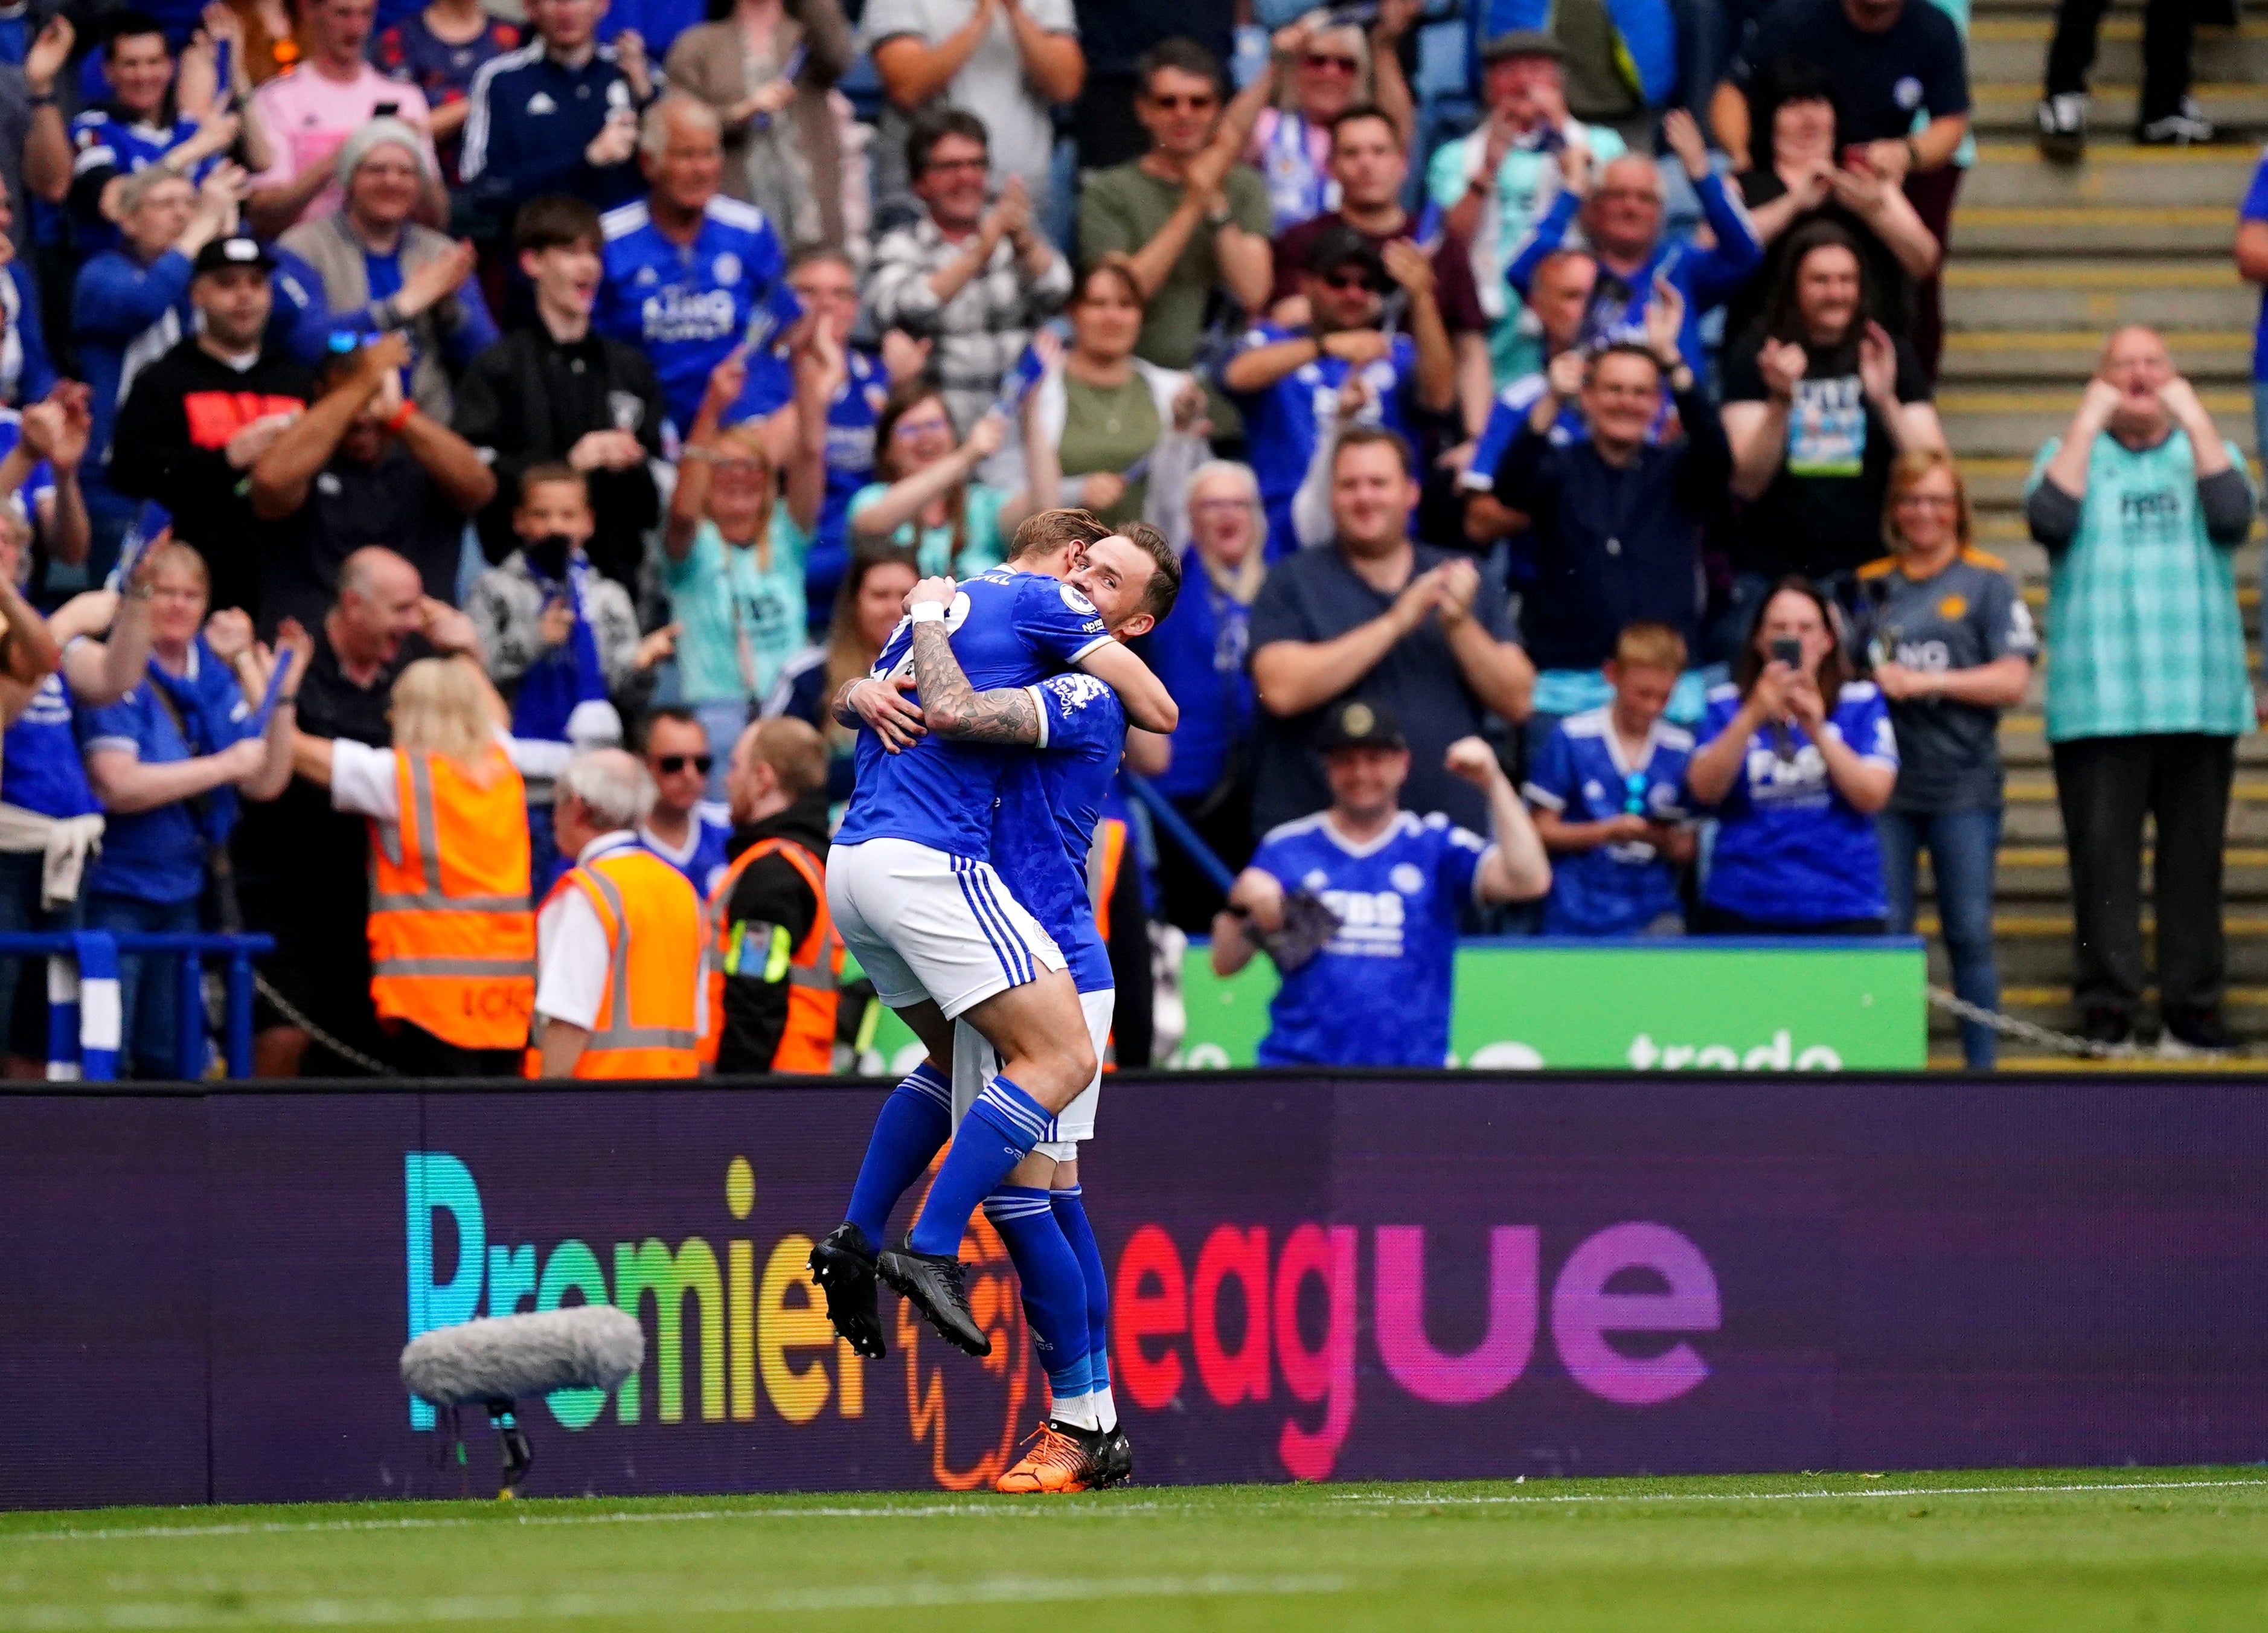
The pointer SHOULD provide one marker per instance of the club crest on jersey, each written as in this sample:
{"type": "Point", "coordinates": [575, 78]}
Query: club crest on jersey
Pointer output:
{"type": "Point", "coordinates": [727, 267]}
{"type": "Point", "coordinates": [1075, 691]}
{"type": "Point", "coordinates": [1406, 879]}
{"type": "Point", "coordinates": [541, 103]}
{"type": "Point", "coordinates": [1076, 601]}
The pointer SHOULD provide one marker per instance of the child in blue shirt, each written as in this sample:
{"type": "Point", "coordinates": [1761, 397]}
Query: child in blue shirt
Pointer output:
{"type": "Point", "coordinates": [1607, 789]}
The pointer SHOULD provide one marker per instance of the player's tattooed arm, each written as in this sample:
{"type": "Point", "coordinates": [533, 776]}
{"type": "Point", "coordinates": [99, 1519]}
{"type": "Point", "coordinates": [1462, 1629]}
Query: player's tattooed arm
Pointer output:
{"type": "Point", "coordinates": [882, 706]}
{"type": "Point", "coordinates": [956, 709]}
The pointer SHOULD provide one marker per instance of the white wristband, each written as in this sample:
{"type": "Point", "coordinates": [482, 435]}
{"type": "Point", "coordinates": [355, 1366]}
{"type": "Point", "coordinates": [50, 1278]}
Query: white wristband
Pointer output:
{"type": "Point", "coordinates": [927, 613]}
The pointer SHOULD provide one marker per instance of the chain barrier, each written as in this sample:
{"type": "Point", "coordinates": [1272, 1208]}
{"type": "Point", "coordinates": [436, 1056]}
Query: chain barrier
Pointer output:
{"type": "Point", "coordinates": [346, 1052]}
{"type": "Point", "coordinates": [2045, 1037]}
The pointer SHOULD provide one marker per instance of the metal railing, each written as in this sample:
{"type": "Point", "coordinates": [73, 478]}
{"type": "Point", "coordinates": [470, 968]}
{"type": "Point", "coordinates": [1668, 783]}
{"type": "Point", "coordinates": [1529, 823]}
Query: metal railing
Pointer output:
{"type": "Point", "coordinates": [191, 952]}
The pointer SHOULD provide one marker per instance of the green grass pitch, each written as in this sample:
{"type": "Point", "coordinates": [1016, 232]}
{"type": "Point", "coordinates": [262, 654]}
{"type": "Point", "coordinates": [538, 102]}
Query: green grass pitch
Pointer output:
{"type": "Point", "coordinates": [1940, 1553]}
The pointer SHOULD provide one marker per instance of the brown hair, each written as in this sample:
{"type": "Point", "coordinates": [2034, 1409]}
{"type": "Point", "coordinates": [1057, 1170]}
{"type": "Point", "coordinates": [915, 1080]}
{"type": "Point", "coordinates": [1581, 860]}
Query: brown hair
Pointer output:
{"type": "Point", "coordinates": [904, 398]}
{"type": "Point", "coordinates": [1834, 672]}
{"type": "Point", "coordinates": [1909, 468]}
{"type": "Point", "coordinates": [1111, 264]}
{"type": "Point", "coordinates": [555, 220]}
{"type": "Point", "coordinates": [1044, 530]}
{"type": "Point", "coordinates": [551, 471]}
{"type": "Point", "coordinates": [794, 751]}
{"type": "Point", "coordinates": [847, 657]}
{"type": "Point", "coordinates": [1647, 645]}
{"type": "Point", "coordinates": [1165, 586]}
{"type": "Point", "coordinates": [1370, 436]}
{"type": "Point", "coordinates": [1783, 318]}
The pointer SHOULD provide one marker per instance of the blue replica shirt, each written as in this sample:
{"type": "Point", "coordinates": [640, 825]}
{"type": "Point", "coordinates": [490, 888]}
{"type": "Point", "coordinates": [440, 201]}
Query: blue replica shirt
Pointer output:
{"type": "Point", "coordinates": [1791, 849]}
{"type": "Point", "coordinates": [39, 766]}
{"type": "Point", "coordinates": [1282, 421]}
{"type": "Point", "coordinates": [1201, 652]}
{"type": "Point", "coordinates": [1506, 414]}
{"type": "Point", "coordinates": [107, 142]}
{"type": "Point", "coordinates": [125, 316]}
{"type": "Point", "coordinates": [27, 373]}
{"type": "Point", "coordinates": [1008, 629]}
{"type": "Point", "coordinates": [702, 859]}
{"type": "Point", "coordinates": [1043, 826]}
{"type": "Point", "coordinates": [1705, 277]}
{"type": "Point", "coordinates": [1378, 994]}
{"type": "Point", "coordinates": [159, 855]}
{"type": "Point", "coordinates": [40, 484]}
{"type": "Point", "coordinates": [688, 306]}
{"type": "Point", "coordinates": [2256, 208]}
{"type": "Point", "coordinates": [1580, 774]}
{"type": "Point", "coordinates": [851, 420]}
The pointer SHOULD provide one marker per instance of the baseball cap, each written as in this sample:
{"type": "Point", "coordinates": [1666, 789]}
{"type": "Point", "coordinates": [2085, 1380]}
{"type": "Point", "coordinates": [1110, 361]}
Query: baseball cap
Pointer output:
{"type": "Point", "coordinates": [238, 249]}
{"type": "Point", "coordinates": [1359, 724]}
{"type": "Point", "coordinates": [1523, 42]}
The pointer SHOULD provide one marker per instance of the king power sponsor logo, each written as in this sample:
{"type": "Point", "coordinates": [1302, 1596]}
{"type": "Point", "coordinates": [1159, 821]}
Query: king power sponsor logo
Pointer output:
{"type": "Point", "coordinates": [1226, 1317]}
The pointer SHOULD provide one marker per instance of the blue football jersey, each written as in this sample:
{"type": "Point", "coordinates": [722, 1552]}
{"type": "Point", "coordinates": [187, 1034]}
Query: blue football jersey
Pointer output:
{"type": "Point", "coordinates": [1049, 802]}
{"type": "Point", "coordinates": [1580, 773]}
{"type": "Point", "coordinates": [1008, 629]}
{"type": "Point", "coordinates": [1282, 421]}
{"type": "Point", "coordinates": [687, 306]}
{"type": "Point", "coordinates": [1790, 848]}
{"type": "Point", "coordinates": [106, 143]}
{"type": "Point", "coordinates": [703, 860]}
{"type": "Point", "coordinates": [1378, 994]}
{"type": "Point", "coordinates": [1505, 415]}
{"type": "Point", "coordinates": [44, 770]}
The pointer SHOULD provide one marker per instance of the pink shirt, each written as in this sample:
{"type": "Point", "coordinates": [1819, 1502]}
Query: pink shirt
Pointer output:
{"type": "Point", "coordinates": [306, 116]}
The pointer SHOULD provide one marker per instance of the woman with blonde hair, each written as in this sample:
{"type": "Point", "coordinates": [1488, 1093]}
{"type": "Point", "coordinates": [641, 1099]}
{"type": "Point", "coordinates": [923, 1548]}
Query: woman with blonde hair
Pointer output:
{"type": "Point", "coordinates": [452, 938]}
{"type": "Point", "coordinates": [1317, 70]}
{"type": "Point", "coordinates": [1951, 644]}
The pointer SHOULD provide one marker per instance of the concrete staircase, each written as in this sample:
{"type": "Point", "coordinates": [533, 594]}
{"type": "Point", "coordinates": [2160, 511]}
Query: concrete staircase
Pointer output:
{"type": "Point", "coordinates": [2045, 260]}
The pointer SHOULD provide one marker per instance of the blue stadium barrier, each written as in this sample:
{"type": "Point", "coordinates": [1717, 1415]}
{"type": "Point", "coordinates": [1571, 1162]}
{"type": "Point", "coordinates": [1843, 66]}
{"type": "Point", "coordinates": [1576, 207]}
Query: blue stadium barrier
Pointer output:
{"type": "Point", "coordinates": [189, 1046]}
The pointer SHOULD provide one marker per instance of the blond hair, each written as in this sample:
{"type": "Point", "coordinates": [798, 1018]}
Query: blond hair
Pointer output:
{"type": "Point", "coordinates": [441, 707]}
{"type": "Point", "coordinates": [1909, 468]}
{"type": "Point", "coordinates": [1647, 644]}
{"type": "Point", "coordinates": [174, 556]}
{"type": "Point", "coordinates": [793, 749]}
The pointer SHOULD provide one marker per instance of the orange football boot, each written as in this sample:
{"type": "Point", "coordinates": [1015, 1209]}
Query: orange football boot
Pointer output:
{"type": "Point", "coordinates": [1055, 1460]}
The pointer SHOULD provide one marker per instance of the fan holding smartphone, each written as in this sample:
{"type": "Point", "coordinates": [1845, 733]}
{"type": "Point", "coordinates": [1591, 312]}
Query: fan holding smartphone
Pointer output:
{"type": "Point", "coordinates": [1796, 757]}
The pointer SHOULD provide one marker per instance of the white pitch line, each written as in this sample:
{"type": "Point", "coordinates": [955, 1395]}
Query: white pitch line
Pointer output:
{"type": "Point", "coordinates": [1474, 1499]}
{"type": "Point", "coordinates": [437, 1522]}
{"type": "Point", "coordinates": [147, 1614]}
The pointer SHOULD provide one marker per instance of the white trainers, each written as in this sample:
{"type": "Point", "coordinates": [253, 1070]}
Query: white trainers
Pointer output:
{"type": "Point", "coordinates": [2189, 127]}
{"type": "Point", "coordinates": [2060, 125]}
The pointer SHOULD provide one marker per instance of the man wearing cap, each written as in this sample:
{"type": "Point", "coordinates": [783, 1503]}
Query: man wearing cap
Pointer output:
{"type": "Point", "coordinates": [305, 114]}
{"type": "Point", "coordinates": [1492, 183]}
{"type": "Point", "coordinates": [197, 419]}
{"type": "Point", "coordinates": [381, 270]}
{"type": "Point", "coordinates": [1377, 993]}
{"type": "Point", "coordinates": [1296, 387]}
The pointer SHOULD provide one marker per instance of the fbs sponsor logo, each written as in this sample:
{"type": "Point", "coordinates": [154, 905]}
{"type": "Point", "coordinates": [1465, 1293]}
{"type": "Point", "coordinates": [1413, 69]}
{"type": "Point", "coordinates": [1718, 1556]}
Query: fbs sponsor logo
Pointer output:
{"type": "Point", "coordinates": [1779, 1054]}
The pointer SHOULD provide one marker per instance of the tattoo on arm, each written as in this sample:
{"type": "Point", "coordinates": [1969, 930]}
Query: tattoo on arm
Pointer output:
{"type": "Point", "coordinates": [844, 715]}
{"type": "Point", "coordinates": [958, 711]}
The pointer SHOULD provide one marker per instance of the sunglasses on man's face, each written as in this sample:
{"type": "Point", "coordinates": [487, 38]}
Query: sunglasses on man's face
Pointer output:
{"type": "Point", "coordinates": [1322, 63]}
{"type": "Point", "coordinates": [1347, 283]}
{"type": "Point", "coordinates": [1198, 103]}
{"type": "Point", "coordinates": [670, 765]}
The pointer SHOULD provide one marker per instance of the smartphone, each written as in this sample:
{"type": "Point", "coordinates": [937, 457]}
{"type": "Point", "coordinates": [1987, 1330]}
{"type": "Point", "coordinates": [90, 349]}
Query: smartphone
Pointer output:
{"type": "Point", "coordinates": [1787, 650]}
{"type": "Point", "coordinates": [386, 110]}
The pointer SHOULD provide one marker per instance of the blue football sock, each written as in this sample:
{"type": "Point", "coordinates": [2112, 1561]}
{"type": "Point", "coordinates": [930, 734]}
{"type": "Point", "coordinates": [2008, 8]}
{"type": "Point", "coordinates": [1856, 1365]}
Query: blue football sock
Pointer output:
{"type": "Point", "coordinates": [1054, 1286]}
{"type": "Point", "coordinates": [911, 1129]}
{"type": "Point", "coordinates": [1069, 1208]}
{"type": "Point", "coordinates": [1000, 1132]}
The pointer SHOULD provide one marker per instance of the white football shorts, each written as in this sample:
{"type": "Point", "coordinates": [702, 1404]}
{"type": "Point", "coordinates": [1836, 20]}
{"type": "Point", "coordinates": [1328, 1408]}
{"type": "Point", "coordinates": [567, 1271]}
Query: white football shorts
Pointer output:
{"type": "Point", "coordinates": [923, 923]}
{"type": "Point", "coordinates": [975, 1061]}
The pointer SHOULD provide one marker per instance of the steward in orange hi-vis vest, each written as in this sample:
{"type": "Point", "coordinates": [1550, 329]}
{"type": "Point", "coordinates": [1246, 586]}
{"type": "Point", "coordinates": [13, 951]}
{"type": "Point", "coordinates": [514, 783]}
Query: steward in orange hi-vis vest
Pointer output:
{"type": "Point", "coordinates": [452, 940]}
{"type": "Point", "coordinates": [647, 1025]}
{"type": "Point", "coordinates": [754, 950]}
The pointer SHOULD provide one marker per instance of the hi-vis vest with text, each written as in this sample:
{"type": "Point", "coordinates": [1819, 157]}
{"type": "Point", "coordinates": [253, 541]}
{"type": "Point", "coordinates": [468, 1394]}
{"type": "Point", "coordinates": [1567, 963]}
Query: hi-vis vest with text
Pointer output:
{"type": "Point", "coordinates": [813, 970]}
{"type": "Point", "coordinates": [645, 1027]}
{"type": "Point", "coordinates": [451, 941]}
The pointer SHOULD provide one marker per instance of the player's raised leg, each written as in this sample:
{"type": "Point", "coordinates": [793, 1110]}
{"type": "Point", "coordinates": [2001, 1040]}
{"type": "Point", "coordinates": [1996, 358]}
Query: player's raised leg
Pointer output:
{"type": "Point", "coordinates": [911, 1127]}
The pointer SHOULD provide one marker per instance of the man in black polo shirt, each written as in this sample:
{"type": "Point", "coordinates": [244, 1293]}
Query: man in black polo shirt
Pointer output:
{"type": "Point", "coordinates": [1886, 61]}
{"type": "Point", "coordinates": [1375, 616]}
{"type": "Point", "coordinates": [303, 869]}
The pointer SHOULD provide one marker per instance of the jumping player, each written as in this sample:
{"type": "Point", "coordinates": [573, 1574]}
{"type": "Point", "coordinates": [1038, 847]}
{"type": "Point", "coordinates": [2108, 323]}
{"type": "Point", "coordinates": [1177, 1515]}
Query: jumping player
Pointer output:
{"type": "Point", "coordinates": [1042, 832]}
{"type": "Point", "coordinates": [914, 893]}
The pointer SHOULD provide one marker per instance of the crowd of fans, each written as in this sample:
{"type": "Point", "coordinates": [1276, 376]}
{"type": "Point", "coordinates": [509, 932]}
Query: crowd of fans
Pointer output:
{"type": "Point", "coordinates": [617, 354]}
